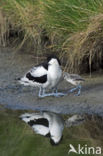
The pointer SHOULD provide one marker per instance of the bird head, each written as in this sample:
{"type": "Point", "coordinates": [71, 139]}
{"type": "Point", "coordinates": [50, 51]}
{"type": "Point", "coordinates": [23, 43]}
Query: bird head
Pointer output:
{"type": "Point", "coordinates": [55, 140]}
{"type": "Point", "coordinates": [53, 60]}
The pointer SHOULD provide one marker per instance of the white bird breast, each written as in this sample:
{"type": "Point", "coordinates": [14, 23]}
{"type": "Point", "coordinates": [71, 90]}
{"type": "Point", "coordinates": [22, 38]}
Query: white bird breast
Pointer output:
{"type": "Point", "coordinates": [54, 74]}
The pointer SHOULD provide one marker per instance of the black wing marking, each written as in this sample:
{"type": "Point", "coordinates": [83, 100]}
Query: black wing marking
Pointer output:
{"type": "Point", "coordinates": [41, 79]}
{"type": "Point", "coordinates": [40, 121]}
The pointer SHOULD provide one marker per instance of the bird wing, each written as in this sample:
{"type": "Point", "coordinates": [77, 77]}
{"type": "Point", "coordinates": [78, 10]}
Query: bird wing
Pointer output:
{"type": "Point", "coordinates": [76, 77]}
{"type": "Point", "coordinates": [38, 71]}
{"type": "Point", "coordinates": [38, 123]}
{"type": "Point", "coordinates": [37, 74]}
{"type": "Point", "coordinates": [40, 129]}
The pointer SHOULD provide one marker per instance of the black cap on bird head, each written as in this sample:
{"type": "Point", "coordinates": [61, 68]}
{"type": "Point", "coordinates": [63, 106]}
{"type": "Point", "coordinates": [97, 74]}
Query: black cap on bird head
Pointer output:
{"type": "Point", "coordinates": [55, 143]}
{"type": "Point", "coordinates": [55, 57]}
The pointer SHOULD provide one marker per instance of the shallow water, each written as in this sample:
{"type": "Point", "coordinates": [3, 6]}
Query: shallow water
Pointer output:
{"type": "Point", "coordinates": [18, 139]}
{"type": "Point", "coordinates": [15, 96]}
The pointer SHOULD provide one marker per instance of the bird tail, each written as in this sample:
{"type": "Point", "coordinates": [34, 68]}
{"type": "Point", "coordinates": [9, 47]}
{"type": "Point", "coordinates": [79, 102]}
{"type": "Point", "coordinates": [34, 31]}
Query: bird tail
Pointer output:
{"type": "Point", "coordinates": [30, 116]}
{"type": "Point", "coordinates": [25, 117]}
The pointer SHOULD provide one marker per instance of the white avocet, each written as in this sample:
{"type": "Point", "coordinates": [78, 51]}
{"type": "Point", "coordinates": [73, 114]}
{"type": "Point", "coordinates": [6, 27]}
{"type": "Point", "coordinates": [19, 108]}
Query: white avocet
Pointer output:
{"type": "Point", "coordinates": [45, 75]}
{"type": "Point", "coordinates": [50, 124]}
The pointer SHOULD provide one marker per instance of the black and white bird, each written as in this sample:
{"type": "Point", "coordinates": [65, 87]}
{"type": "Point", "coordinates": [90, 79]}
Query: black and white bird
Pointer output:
{"type": "Point", "coordinates": [50, 124]}
{"type": "Point", "coordinates": [45, 75]}
{"type": "Point", "coordinates": [47, 124]}
{"type": "Point", "coordinates": [75, 80]}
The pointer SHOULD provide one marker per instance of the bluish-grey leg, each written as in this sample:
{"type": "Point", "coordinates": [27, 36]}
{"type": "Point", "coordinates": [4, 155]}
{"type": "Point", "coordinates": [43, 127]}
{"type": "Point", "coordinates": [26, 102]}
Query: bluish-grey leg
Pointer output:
{"type": "Point", "coordinates": [57, 94]}
{"type": "Point", "coordinates": [79, 90]}
{"type": "Point", "coordinates": [73, 89]}
{"type": "Point", "coordinates": [54, 93]}
{"type": "Point", "coordinates": [76, 88]}
{"type": "Point", "coordinates": [54, 90]}
{"type": "Point", "coordinates": [45, 94]}
{"type": "Point", "coordinates": [40, 92]}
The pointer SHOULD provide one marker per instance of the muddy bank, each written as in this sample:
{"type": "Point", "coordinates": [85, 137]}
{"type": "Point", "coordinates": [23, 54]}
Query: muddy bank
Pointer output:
{"type": "Point", "coordinates": [13, 95]}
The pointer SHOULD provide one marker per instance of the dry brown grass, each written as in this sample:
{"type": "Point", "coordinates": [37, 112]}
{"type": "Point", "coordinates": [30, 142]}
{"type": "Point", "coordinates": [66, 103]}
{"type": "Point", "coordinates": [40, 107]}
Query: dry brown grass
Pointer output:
{"type": "Point", "coordinates": [47, 27]}
{"type": "Point", "coordinates": [3, 29]}
{"type": "Point", "coordinates": [84, 50]}
{"type": "Point", "coordinates": [24, 18]}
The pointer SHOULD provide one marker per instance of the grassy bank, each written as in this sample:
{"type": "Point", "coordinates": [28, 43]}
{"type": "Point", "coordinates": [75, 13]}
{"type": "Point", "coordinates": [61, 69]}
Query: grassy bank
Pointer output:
{"type": "Point", "coordinates": [17, 138]}
{"type": "Point", "coordinates": [71, 28]}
